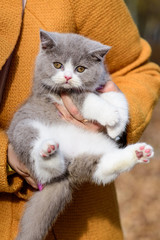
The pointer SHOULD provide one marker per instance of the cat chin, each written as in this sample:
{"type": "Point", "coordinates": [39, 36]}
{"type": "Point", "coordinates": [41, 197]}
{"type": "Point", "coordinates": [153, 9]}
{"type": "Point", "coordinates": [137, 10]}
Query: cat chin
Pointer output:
{"type": "Point", "coordinates": [69, 88]}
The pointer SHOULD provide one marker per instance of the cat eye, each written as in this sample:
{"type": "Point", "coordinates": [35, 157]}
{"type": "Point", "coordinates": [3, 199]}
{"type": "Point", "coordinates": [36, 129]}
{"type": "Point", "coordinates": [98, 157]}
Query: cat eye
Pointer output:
{"type": "Point", "coordinates": [58, 65]}
{"type": "Point", "coordinates": [80, 69]}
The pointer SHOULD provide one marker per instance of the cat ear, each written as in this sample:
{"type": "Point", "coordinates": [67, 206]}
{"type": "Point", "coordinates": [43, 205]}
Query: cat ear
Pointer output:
{"type": "Point", "coordinates": [47, 41]}
{"type": "Point", "coordinates": [100, 52]}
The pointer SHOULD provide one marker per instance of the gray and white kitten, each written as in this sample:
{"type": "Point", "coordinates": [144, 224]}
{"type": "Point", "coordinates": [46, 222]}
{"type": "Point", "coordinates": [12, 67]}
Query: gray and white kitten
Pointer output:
{"type": "Point", "coordinates": [56, 152]}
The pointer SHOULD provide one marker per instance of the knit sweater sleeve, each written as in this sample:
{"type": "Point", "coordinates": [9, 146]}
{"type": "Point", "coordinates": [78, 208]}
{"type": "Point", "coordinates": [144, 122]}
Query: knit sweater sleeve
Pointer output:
{"type": "Point", "coordinates": [14, 183]}
{"type": "Point", "coordinates": [141, 86]}
{"type": "Point", "coordinates": [110, 23]}
{"type": "Point", "coordinates": [10, 22]}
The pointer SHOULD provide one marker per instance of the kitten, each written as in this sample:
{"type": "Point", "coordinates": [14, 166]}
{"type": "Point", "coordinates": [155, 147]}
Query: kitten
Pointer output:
{"type": "Point", "coordinates": [55, 151]}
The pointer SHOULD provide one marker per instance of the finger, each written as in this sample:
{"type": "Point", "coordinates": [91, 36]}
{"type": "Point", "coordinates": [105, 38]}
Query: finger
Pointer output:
{"type": "Point", "coordinates": [109, 87]}
{"type": "Point", "coordinates": [81, 123]}
{"type": "Point", "coordinates": [12, 157]}
{"type": "Point", "coordinates": [95, 127]}
{"type": "Point", "coordinates": [87, 125]}
{"type": "Point", "coordinates": [15, 163]}
{"type": "Point", "coordinates": [63, 112]}
{"type": "Point", "coordinates": [72, 109]}
{"type": "Point", "coordinates": [23, 172]}
{"type": "Point", "coordinates": [21, 169]}
{"type": "Point", "coordinates": [92, 126]}
{"type": "Point", "coordinates": [67, 116]}
{"type": "Point", "coordinates": [31, 182]}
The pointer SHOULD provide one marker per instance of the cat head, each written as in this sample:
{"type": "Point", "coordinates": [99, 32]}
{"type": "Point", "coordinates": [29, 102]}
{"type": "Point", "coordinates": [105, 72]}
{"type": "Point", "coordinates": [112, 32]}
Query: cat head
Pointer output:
{"type": "Point", "coordinates": [70, 61]}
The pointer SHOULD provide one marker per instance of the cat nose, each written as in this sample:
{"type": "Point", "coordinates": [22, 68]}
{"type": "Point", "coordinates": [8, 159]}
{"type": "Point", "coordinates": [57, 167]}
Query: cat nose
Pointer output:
{"type": "Point", "coordinates": [67, 77]}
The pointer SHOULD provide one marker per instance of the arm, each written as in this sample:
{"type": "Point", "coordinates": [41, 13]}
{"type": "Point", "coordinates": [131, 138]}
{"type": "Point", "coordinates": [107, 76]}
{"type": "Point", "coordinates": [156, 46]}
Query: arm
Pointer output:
{"type": "Point", "coordinates": [110, 23]}
{"type": "Point", "coordinates": [19, 167]}
{"type": "Point", "coordinates": [10, 23]}
{"type": "Point", "coordinates": [142, 88]}
{"type": "Point", "coordinates": [16, 184]}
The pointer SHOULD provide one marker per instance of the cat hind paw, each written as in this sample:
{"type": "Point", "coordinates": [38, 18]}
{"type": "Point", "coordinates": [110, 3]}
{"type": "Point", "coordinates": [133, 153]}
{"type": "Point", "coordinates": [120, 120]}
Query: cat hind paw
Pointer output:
{"type": "Point", "coordinates": [144, 152]}
{"type": "Point", "coordinates": [48, 148]}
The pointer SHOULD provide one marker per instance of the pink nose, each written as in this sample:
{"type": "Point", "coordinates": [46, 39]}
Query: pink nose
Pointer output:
{"type": "Point", "coordinates": [67, 77]}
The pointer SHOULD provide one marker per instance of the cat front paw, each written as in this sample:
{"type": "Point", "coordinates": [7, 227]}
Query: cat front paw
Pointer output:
{"type": "Point", "coordinates": [113, 118]}
{"type": "Point", "coordinates": [48, 148]}
{"type": "Point", "coordinates": [108, 117]}
{"type": "Point", "coordinates": [116, 131]}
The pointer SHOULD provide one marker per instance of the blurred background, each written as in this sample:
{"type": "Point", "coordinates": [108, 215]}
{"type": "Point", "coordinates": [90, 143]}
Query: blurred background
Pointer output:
{"type": "Point", "coordinates": [139, 190]}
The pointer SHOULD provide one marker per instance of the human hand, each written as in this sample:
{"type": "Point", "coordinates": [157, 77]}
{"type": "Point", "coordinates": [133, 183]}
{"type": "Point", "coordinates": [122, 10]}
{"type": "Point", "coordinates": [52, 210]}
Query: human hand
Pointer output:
{"type": "Point", "coordinates": [19, 167]}
{"type": "Point", "coordinates": [70, 113]}
{"type": "Point", "coordinates": [109, 87]}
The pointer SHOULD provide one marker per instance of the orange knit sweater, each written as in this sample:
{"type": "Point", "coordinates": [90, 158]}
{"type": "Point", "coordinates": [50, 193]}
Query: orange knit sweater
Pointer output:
{"type": "Point", "coordinates": [93, 214]}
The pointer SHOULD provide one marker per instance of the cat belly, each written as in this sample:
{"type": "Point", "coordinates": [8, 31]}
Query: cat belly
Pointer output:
{"type": "Point", "coordinates": [74, 141]}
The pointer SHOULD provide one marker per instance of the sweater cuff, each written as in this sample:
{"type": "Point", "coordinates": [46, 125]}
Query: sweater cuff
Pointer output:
{"type": "Point", "coordinates": [13, 183]}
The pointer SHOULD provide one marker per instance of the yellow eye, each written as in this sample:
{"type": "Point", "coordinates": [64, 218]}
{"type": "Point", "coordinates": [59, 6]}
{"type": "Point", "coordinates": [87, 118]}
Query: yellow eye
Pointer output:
{"type": "Point", "coordinates": [57, 65]}
{"type": "Point", "coordinates": [80, 69]}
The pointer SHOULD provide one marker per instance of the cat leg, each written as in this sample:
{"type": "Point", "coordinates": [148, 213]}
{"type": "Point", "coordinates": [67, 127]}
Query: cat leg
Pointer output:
{"type": "Point", "coordinates": [118, 100]}
{"type": "Point", "coordinates": [121, 160]}
{"type": "Point", "coordinates": [96, 108]}
{"type": "Point", "coordinates": [49, 160]}
{"type": "Point", "coordinates": [46, 154]}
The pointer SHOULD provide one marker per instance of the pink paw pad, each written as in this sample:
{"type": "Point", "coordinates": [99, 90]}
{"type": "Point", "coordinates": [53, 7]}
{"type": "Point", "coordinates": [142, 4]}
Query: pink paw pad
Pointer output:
{"type": "Point", "coordinates": [144, 153]}
{"type": "Point", "coordinates": [51, 148]}
{"type": "Point", "coordinates": [145, 160]}
{"type": "Point", "coordinates": [139, 154]}
{"type": "Point", "coordinates": [147, 150]}
{"type": "Point", "coordinates": [142, 148]}
{"type": "Point", "coordinates": [48, 149]}
{"type": "Point", "coordinates": [43, 155]}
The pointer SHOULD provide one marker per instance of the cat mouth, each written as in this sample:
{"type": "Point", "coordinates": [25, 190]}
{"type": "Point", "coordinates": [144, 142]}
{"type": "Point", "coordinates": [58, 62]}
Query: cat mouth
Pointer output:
{"type": "Point", "coordinates": [67, 85]}
{"type": "Point", "coordinates": [70, 86]}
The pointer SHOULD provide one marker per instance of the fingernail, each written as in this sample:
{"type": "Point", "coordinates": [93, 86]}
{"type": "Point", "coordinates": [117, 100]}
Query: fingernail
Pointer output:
{"type": "Point", "coordinates": [60, 114]}
{"type": "Point", "coordinates": [40, 186]}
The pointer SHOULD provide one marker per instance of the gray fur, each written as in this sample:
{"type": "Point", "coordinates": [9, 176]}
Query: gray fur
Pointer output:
{"type": "Point", "coordinates": [39, 216]}
{"type": "Point", "coordinates": [81, 50]}
{"type": "Point", "coordinates": [39, 105]}
{"type": "Point", "coordinates": [44, 207]}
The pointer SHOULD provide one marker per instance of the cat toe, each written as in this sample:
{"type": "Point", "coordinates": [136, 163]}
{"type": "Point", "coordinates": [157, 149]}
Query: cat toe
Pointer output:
{"type": "Point", "coordinates": [113, 119]}
{"type": "Point", "coordinates": [48, 148]}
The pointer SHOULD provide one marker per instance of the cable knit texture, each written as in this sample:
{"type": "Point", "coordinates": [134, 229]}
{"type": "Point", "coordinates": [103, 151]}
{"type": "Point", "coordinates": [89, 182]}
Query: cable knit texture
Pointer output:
{"type": "Point", "coordinates": [10, 23]}
{"type": "Point", "coordinates": [93, 214]}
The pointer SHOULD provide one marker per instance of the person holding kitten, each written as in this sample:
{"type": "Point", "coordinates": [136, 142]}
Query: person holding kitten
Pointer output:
{"type": "Point", "coordinates": [93, 212]}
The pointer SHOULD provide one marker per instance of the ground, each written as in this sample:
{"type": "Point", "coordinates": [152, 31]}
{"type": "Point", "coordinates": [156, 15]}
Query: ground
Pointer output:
{"type": "Point", "coordinates": [139, 191]}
